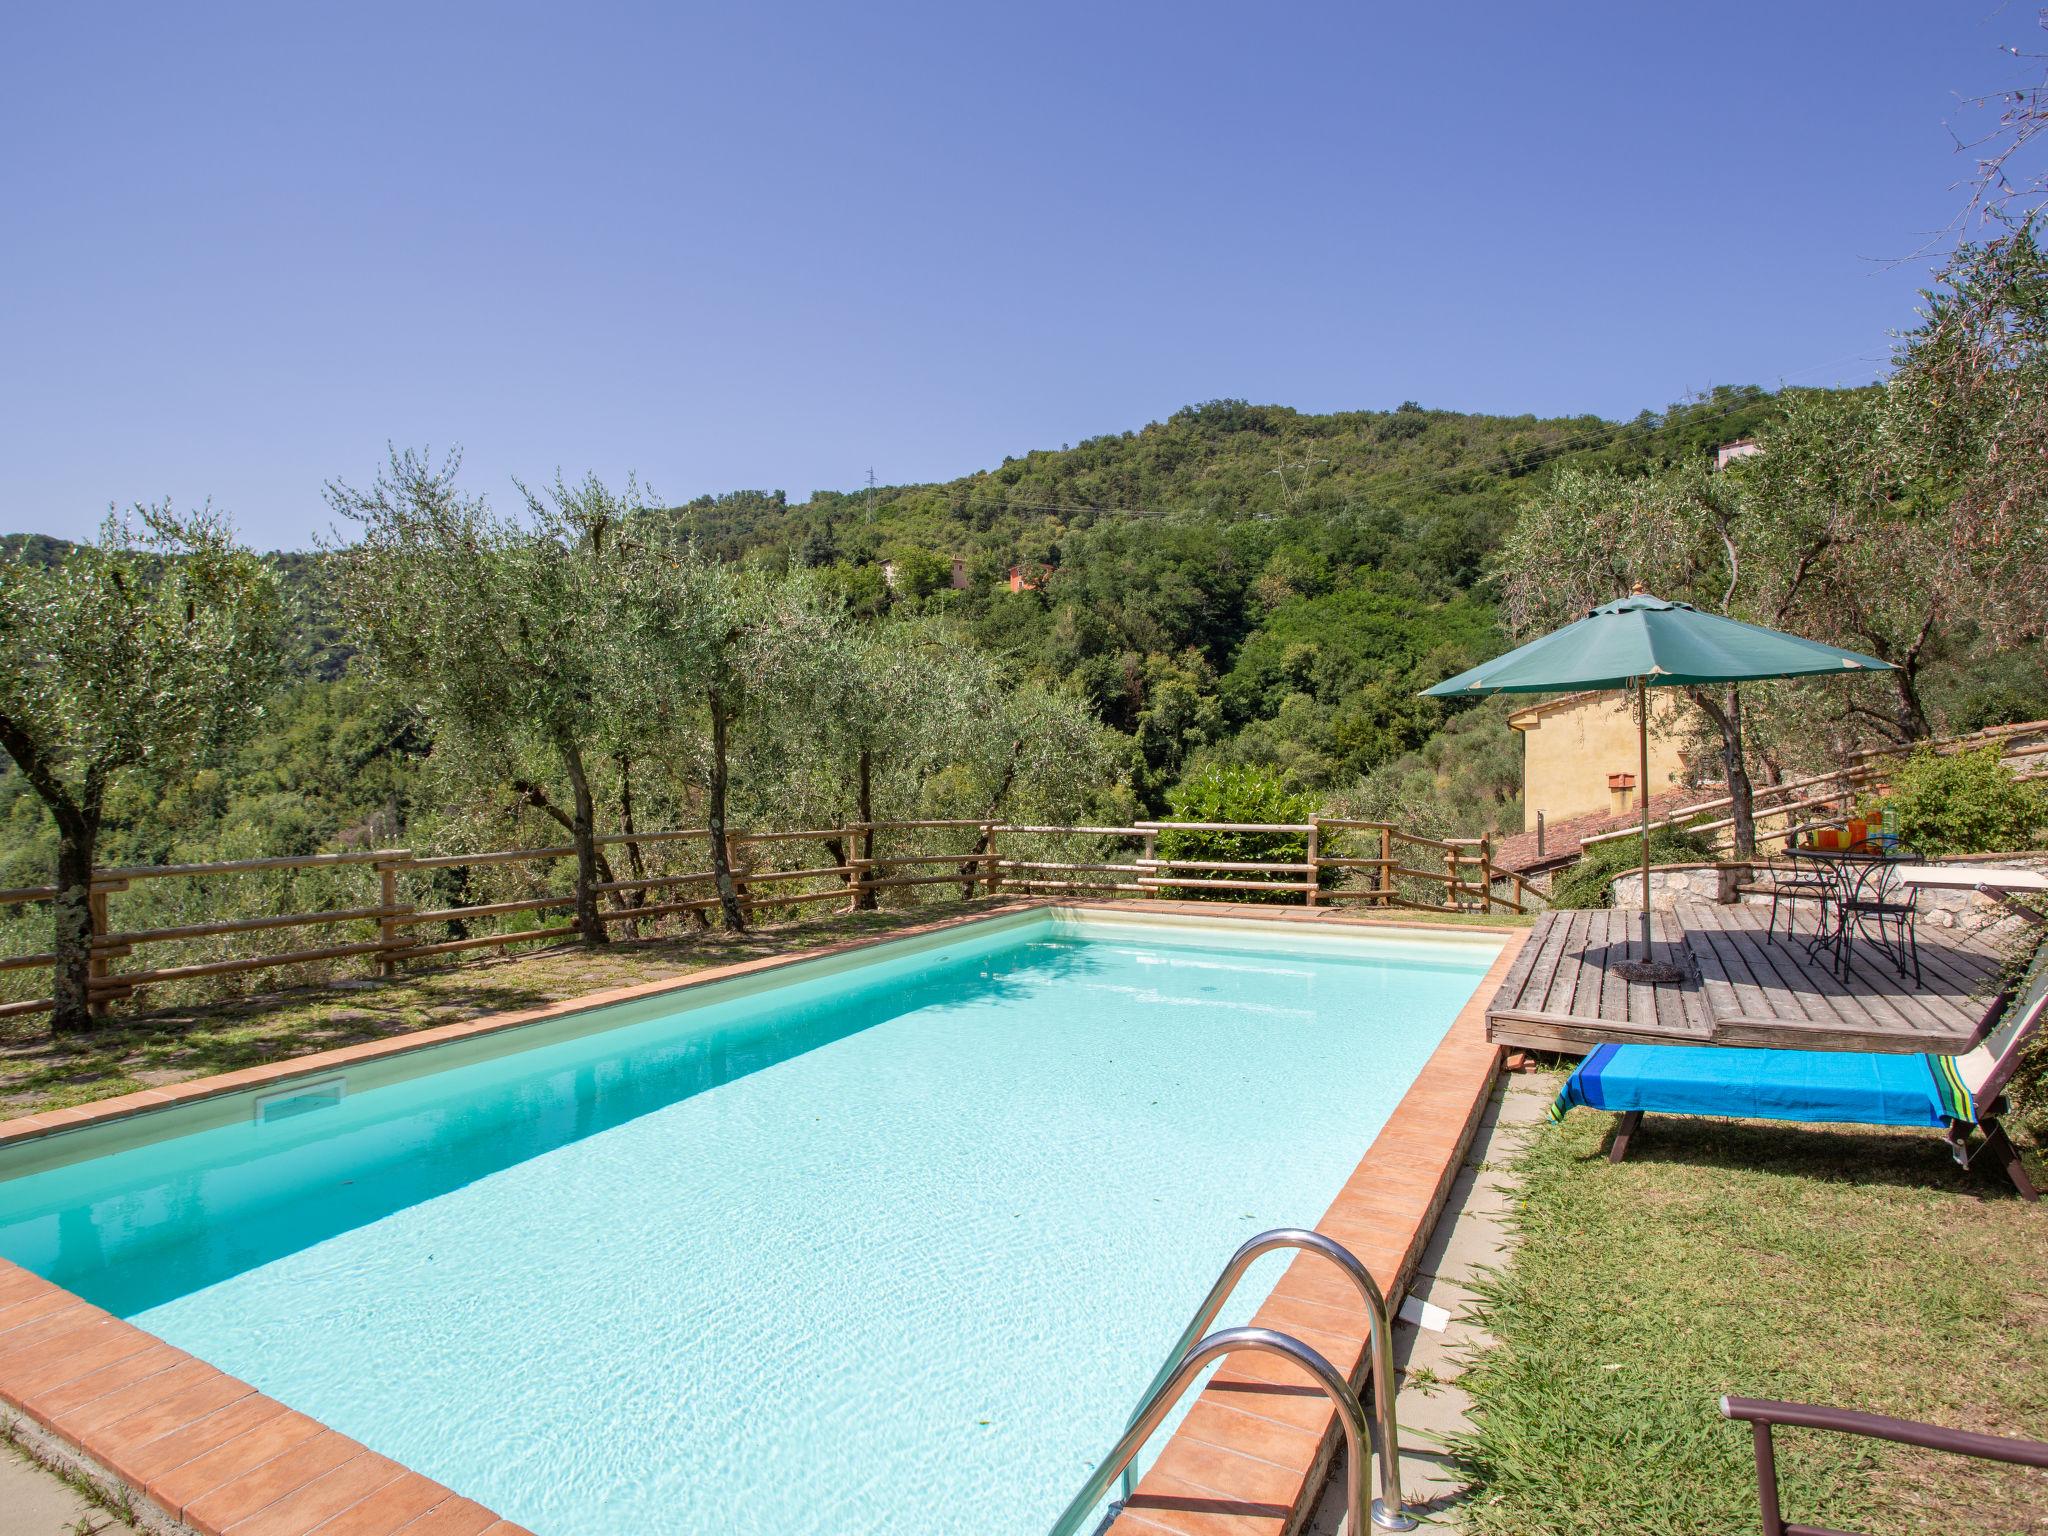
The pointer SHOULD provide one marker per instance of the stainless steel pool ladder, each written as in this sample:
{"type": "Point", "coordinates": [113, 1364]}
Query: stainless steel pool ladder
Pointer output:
{"type": "Point", "coordinates": [1193, 1352]}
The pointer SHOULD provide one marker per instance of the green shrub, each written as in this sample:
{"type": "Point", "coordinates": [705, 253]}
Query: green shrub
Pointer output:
{"type": "Point", "coordinates": [1239, 793]}
{"type": "Point", "coordinates": [1590, 882]}
{"type": "Point", "coordinates": [1965, 802]}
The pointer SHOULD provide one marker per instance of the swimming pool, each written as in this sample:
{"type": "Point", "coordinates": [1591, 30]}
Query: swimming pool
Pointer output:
{"type": "Point", "coordinates": [884, 1243]}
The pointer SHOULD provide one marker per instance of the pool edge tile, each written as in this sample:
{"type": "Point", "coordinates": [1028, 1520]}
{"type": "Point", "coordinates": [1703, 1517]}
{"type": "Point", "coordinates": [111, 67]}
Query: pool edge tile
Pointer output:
{"type": "Point", "coordinates": [160, 1407]}
{"type": "Point", "coordinates": [45, 1123]}
{"type": "Point", "coordinates": [1385, 1213]}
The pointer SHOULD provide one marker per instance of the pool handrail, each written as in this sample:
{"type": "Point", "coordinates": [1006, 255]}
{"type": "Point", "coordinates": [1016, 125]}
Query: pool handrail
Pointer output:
{"type": "Point", "coordinates": [1159, 1402]}
{"type": "Point", "coordinates": [1388, 1510]}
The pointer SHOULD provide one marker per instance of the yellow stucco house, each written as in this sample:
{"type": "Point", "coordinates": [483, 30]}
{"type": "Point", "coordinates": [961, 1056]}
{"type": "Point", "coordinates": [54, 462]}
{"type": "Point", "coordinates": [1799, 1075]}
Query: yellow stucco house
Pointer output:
{"type": "Point", "coordinates": [1579, 752]}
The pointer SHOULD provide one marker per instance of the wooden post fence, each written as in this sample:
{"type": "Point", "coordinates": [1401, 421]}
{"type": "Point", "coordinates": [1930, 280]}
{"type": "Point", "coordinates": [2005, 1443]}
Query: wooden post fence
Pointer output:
{"type": "Point", "coordinates": [391, 923]}
{"type": "Point", "coordinates": [1006, 858]}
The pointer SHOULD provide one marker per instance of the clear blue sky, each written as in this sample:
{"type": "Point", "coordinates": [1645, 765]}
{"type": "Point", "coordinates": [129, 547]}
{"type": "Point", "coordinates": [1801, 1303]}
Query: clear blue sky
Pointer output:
{"type": "Point", "coordinates": [772, 246]}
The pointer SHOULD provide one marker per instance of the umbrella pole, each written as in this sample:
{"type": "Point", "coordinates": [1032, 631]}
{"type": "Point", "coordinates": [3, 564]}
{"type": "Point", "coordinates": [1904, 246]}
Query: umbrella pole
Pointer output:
{"type": "Point", "coordinates": [1642, 967]}
{"type": "Point", "coordinates": [1643, 797]}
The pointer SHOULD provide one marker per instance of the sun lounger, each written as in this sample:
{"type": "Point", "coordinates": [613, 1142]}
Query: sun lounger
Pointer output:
{"type": "Point", "coordinates": [1952, 1093]}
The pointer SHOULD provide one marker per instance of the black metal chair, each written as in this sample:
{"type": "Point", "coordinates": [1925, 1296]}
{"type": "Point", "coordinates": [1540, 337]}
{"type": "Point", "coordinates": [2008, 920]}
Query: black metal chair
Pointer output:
{"type": "Point", "coordinates": [1876, 905]}
{"type": "Point", "coordinates": [1806, 881]}
{"type": "Point", "coordinates": [1830, 872]}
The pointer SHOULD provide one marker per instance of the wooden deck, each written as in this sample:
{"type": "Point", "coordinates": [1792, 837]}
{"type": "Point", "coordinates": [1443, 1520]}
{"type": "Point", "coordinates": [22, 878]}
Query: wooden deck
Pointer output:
{"type": "Point", "coordinates": [1739, 989]}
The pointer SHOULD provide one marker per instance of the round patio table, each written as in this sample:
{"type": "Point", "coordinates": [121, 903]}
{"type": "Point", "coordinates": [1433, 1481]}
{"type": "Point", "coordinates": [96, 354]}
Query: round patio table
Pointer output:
{"type": "Point", "coordinates": [1842, 917]}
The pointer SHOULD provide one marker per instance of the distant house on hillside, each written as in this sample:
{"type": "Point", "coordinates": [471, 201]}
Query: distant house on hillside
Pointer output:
{"type": "Point", "coordinates": [959, 573]}
{"type": "Point", "coordinates": [1028, 578]}
{"type": "Point", "coordinates": [1741, 448]}
{"type": "Point", "coordinates": [1579, 753]}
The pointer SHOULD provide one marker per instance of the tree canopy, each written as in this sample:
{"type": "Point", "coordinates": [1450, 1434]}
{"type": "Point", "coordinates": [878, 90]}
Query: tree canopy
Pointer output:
{"type": "Point", "coordinates": [142, 653]}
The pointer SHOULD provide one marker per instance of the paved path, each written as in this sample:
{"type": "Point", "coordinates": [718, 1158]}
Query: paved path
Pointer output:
{"type": "Point", "coordinates": [36, 1502]}
{"type": "Point", "coordinates": [1470, 1236]}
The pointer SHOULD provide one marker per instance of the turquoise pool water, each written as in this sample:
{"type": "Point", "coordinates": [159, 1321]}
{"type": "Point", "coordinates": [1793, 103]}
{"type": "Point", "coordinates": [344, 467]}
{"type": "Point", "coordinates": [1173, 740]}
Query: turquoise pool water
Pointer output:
{"type": "Point", "coordinates": [891, 1249]}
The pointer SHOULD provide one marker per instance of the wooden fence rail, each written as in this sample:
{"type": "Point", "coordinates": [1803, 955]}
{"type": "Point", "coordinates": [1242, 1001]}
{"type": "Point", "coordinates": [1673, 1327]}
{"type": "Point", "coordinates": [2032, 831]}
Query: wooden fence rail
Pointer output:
{"type": "Point", "coordinates": [2020, 747]}
{"type": "Point", "coordinates": [1394, 878]}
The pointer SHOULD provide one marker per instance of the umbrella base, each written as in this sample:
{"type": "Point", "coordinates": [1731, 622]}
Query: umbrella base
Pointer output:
{"type": "Point", "coordinates": [1647, 970]}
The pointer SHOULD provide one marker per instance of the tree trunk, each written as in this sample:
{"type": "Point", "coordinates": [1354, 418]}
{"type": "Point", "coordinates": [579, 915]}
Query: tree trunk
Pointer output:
{"type": "Point", "coordinates": [1726, 713]}
{"type": "Point", "coordinates": [995, 801]}
{"type": "Point", "coordinates": [1913, 722]}
{"type": "Point", "coordinates": [835, 847]}
{"type": "Point", "coordinates": [537, 797]}
{"type": "Point", "coordinates": [1741, 794]}
{"type": "Point", "coordinates": [78, 835]}
{"type": "Point", "coordinates": [864, 808]}
{"type": "Point", "coordinates": [635, 864]}
{"type": "Point", "coordinates": [714, 821]}
{"type": "Point", "coordinates": [77, 842]}
{"type": "Point", "coordinates": [583, 830]}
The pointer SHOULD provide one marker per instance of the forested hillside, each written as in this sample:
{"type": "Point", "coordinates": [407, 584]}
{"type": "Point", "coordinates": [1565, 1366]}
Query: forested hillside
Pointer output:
{"type": "Point", "coordinates": [1238, 583]}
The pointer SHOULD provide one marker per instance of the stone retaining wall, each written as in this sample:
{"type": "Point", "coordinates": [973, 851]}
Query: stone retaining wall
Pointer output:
{"type": "Point", "coordinates": [1671, 884]}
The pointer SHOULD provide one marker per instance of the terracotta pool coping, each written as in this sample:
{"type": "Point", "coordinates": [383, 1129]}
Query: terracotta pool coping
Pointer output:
{"type": "Point", "coordinates": [99, 1112]}
{"type": "Point", "coordinates": [198, 1450]}
{"type": "Point", "coordinates": [1252, 1455]}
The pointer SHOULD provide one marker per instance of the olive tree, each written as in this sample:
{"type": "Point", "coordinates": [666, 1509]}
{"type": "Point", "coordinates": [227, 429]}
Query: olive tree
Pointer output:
{"type": "Point", "coordinates": [1590, 537]}
{"type": "Point", "coordinates": [708, 649]}
{"type": "Point", "coordinates": [151, 646]}
{"type": "Point", "coordinates": [891, 698]}
{"type": "Point", "coordinates": [501, 631]}
{"type": "Point", "coordinates": [1021, 751]}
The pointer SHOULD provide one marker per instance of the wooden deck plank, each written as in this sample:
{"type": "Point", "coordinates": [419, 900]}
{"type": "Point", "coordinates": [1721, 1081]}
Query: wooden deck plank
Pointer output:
{"type": "Point", "coordinates": [1787, 974]}
{"type": "Point", "coordinates": [1561, 1032]}
{"type": "Point", "coordinates": [1589, 938]}
{"type": "Point", "coordinates": [1968, 976]}
{"type": "Point", "coordinates": [1564, 976]}
{"type": "Point", "coordinates": [1867, 993]}
{"type": "Point", "coordinates": [1618, 936]}
{"type": "Point", "coordinates": [1802, 1003]}
{"type": "Point", "coordinates": [1955, 980]}
{"type": "Point", "coordinates": [1874, 988]}
{"type": "Point", "coordinates": [1792, 984]}
{"type": "Point", "coordinates": [1790, 980]}
{"type": "Point", "coordinates": [1740, 988]}
{"type": "Point", "coordinates": [1729, 986]}
{"type": "Point", "coordinates": [1517, 979]}
{"type": "Point", "coordinates": [1590, 991]}
{"type": "Point", "coordinates": [1561, 945]}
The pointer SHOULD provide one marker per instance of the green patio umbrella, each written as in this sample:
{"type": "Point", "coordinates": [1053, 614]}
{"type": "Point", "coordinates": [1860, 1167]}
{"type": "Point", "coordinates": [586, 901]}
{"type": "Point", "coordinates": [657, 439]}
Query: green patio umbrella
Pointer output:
{"type": "Point", "coordinates": [1643, 642]}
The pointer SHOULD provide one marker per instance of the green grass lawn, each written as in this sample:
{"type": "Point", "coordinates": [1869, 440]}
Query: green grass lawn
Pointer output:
{"type": "Point", "coordinates": [1851, 1266]}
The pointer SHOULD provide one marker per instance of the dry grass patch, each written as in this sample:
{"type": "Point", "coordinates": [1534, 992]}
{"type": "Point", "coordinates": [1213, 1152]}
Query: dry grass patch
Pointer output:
{"type": "Point", "coordinates": [169, 1045]}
